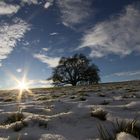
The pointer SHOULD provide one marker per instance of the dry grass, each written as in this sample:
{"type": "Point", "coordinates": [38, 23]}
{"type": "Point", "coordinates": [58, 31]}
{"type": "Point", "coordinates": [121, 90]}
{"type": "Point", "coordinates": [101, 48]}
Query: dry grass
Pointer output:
{"type": "Point", "coordinates": [100, 114]}
{"type": "Point", "coordinates": [131, 127]}
{"type": "Point", "coordinates": [14, 117]}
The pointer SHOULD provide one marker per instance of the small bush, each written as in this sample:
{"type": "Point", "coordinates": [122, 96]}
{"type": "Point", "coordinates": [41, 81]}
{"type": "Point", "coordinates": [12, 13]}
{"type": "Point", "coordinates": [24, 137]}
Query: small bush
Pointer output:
{"type": "Point", "coordinates": [14, 118]}
{"type": "Point", "coordinates": [102, 95]}
{"type": "Point", "coordinates": [54, 96]}
{"type": "Point", "coordinates": [100, 114]}
{"type": "Point", "coordinates": [18, 126]}
{"type": "Point", "coordinates": [39, 121]}
{"type": "Point", "coordinates": [131, 127]}
{"type": "Point", "coordinates": [105, 102]}
{"type": "Point", "coordinates": [104, 134]}
{"type": "Point", "coordinates": [8, 100]}
{"type": "Point", "coordinates": [43, 98]}
{"type": "Point", "coordinates": [128, 127]}
{"type": "Point", "coordinates": [43, 123]}
{"type": "Point", "coordinates": [81, 93]}
{"type": "Point", "coordinates": [72, 97]}
{"type": "Point", "coordinates": [82, 98]}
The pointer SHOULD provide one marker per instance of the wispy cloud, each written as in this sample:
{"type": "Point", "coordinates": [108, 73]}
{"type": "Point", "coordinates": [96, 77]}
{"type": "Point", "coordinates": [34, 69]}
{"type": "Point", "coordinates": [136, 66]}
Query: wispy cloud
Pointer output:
{"type": "Point", "coordinates": [74, 11]}
{"type": "Point", "coordinates": [10, 34]}
{"type": "Point", "coordinates": [41, 83]}
{"type": "Point", "coordinates": [53, 33]}
{"type": "Point", "coordinates": [45, 49]}
{"type": "Point", "coordinates": [120, 35]}
{"type": "Point", "coordinates": [30, 1]}
{"type": "Point", "coordinates": [124, 73]}
{"type": "Point", "coordinates": [50, 61]}
{"type": "Point", "coordinates": [48, 3]}
{"type": "Point", "coordinates": [7, 9]}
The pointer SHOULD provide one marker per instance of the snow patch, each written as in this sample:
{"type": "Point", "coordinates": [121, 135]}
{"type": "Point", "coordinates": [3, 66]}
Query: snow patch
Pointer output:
{"type": "Point", "coordinates": [125, 136]}
{"type": "Point", "coordinates": [52, 137]}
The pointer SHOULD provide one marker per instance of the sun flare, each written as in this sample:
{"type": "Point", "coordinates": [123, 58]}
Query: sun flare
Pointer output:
{"type": "Point", "coordinates": [22, 85]}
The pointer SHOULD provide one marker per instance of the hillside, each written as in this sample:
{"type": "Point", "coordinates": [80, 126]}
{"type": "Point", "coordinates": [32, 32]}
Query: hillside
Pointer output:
{"type": "Point", "coordinates": [71, 113]}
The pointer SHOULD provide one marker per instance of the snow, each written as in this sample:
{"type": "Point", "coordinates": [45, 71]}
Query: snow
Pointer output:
{"type": "Point", "coordinates": [52, 137]}
{"type": "Point", "coordinates": [125, 136]}
{"type": "Point", "coordinates": [61, 114]}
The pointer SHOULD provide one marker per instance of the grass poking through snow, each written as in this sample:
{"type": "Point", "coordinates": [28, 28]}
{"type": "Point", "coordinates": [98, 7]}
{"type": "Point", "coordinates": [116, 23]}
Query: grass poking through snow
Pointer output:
{"type": "Point", "coordinates": [131, 127]}
{"type": "Point", "coordinates": [100, 114]}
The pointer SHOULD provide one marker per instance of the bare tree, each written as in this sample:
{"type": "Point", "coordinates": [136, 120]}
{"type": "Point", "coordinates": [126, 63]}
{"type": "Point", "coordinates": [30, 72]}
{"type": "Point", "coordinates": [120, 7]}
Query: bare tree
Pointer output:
{"type": "Point", "coordinates": [75, 70]}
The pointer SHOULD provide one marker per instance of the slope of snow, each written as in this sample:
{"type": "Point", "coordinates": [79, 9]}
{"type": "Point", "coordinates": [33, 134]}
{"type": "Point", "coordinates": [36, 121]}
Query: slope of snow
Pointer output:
{"type": "Point", "coordinates": [65, 113]}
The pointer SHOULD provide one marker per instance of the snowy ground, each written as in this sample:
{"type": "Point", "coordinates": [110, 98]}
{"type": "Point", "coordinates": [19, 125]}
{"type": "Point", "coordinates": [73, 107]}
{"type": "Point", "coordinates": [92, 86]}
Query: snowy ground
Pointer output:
{"type": "Point", "coordinates": [66, 113]}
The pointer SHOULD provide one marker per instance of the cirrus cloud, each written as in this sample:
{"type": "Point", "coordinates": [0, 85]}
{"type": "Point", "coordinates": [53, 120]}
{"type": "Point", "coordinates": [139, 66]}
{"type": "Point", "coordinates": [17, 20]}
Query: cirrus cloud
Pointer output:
{"type": "Point", "coordinates": [120, 35]}
{"type": "Point", "coordinates": [30, 1]}
{"type": "Point", "coordinates": [43, 83]}
{"type": "Point", "coordinates": [50, 61]}
{"type": "Point", "coordinates": [74, 11]}
{"type": "Point", "coordinates": [10, 34]}
{"type": "Point", "coordinates": [125, 73]}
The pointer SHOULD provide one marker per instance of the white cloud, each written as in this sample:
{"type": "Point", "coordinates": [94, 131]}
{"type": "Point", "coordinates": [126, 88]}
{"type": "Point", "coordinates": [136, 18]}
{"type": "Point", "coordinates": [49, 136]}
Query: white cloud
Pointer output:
{"type": "Point", "coordinates": [10, 34]}
{"type": "Point", "coordinates": [54, 33]}
{"type": "Point", "coordinates": [50, 61]}
{"type": "Point", "coordinates": [45, 49]}
{"type": "Point", "coordinates": [48, 4]}
{"type": "Point", "coordinates": [7, 9]}
{"type": "Point", "coordinates": [19, 70]}
{"type": "Point", "coordinates": [30, 1]}
{"type": "Point", "coordinates": [120, 35]}
{"type": "Point", "coordinates": [124, 73]}
{"type": "Point", "coordinates": [73, 11]}
{"type": "Point", "coordinates": [42, 83]}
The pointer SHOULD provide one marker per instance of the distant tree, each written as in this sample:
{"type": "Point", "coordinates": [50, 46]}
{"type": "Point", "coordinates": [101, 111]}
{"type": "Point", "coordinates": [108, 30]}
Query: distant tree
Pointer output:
{"type": "Point", "coordinates": [75, 70]}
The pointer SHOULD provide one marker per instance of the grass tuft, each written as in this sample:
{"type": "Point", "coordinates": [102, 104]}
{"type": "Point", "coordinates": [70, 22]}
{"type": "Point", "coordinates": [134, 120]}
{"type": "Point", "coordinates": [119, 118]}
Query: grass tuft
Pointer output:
{"type": "Point", "coordinates": [14, 117]}
{"type": "Point", "coordinates": [82, 98]}
{"type": "Point", "coordinates": [131, 127]}
{"type": "Point", "coordinates": [100, 114]}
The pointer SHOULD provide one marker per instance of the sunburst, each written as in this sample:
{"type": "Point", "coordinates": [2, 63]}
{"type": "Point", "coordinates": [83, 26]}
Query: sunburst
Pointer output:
{"type": "Point", "coordinates": [22, 85]}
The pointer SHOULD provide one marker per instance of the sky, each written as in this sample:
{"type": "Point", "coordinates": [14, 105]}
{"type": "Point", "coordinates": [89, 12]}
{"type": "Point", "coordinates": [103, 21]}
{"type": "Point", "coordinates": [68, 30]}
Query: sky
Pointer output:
{"type": "Point", "coordinates": [35, 34]}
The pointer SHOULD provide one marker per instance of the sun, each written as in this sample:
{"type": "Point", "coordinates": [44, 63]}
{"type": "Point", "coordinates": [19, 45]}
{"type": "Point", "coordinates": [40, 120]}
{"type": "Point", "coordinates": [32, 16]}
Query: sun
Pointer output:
{"type": "Point", "coordinates": [22, 85]}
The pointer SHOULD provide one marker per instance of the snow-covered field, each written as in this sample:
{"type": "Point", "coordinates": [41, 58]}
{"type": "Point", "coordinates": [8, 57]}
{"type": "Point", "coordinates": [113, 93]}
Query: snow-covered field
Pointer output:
{"type": "Point", "coordinates": [69, 113]}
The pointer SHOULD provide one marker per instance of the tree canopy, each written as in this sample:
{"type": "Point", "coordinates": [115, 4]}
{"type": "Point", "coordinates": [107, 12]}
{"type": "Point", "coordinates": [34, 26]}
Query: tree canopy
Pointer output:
{"type": "Point", "coordinates": [74, 70]}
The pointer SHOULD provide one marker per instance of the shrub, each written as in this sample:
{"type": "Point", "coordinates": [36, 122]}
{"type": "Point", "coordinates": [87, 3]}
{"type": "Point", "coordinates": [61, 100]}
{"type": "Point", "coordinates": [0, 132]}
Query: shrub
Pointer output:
{"type": "Point", "coordinates": [100, 114]}
{"type": "Point", "coordinates": [72, 97]}
{"type": "Point", "coordinates": [43, 123]}
{"type": "Point", "coordinates": [41, 98]}
{"type": "Point", "coordinates": [17, 126]}
{"type": "Point", "coordinates": [39, 121]}
{"type": "Point", "coordinates": [105, 102]}
{"type": "Point", "coordinates": [104, 134]}
{"type": "Point", "coordinates": [131, 127]}
{"type": "Point", "coordinates": [14, 117]}
{"type": "Point", "coordinates": [8, 100]}
{"type": "Point", "coordinates": [128, 127]}
{"type": "Point", "coordinates": [101, 95]}
{"type": "Point", "coordinates": [81, 93]}
{"type": "Point", "coordinates": [82, 98]}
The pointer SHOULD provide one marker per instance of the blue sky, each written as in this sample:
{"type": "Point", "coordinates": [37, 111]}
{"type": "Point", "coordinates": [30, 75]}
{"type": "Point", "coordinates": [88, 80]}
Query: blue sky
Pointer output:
{"type": "Point", "coordinates": [35, 34]}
